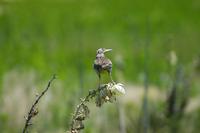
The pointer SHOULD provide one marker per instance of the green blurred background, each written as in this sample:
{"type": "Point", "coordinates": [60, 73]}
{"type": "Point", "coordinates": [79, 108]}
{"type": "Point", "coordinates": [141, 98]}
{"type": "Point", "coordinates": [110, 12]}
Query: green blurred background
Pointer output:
{"type": "Point", "coordinates": [154, 39]}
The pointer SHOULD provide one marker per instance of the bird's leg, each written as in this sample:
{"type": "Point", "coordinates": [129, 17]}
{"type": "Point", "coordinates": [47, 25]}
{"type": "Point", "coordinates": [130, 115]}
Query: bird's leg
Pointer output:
{"type": "Point", "coordinates": [110, 74]}
{"type": "Point", "coordinates": [99, 79]}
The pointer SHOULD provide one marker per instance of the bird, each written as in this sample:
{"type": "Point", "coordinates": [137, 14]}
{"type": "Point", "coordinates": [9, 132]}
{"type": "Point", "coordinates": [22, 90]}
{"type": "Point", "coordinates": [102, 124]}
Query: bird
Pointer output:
{"type": "Point", "coordinates": [101, 63]}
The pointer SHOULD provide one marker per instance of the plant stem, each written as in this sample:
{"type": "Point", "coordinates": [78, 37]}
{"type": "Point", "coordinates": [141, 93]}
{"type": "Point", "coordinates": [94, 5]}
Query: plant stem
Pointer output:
{"type": "Point", "coordinates": [32, 110]}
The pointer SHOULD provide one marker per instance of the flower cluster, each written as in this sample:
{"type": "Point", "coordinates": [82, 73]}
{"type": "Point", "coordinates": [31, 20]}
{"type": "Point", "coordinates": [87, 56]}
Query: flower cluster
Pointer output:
{"type": "Point", "coordinates": [108, 93]}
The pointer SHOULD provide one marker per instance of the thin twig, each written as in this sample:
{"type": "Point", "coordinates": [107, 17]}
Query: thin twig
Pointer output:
{"type": "Point", "coordinates": [33, 111]}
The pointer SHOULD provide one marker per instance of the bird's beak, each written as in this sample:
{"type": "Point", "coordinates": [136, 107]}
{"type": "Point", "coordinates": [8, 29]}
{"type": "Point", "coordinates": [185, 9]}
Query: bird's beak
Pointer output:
{"type": "Point", "coordinates": [107, 50]}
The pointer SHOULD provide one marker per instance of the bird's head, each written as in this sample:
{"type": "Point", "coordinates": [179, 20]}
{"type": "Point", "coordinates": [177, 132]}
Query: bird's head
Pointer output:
{"type": "Point", "coordinates": [103, 50]}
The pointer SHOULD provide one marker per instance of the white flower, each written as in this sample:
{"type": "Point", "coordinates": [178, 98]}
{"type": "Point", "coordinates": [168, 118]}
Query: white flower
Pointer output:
{"type": "Point", "coordinates": [118, 88]}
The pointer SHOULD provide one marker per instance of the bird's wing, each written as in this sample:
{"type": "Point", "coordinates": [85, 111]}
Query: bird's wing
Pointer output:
{"type": "Point", "coordinates": [106, 63]}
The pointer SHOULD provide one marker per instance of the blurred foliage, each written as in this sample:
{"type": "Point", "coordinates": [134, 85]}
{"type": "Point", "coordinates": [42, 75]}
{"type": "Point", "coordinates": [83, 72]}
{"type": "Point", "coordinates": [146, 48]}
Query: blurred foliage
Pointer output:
{"type": "Point", "coordinates": [41, 38]}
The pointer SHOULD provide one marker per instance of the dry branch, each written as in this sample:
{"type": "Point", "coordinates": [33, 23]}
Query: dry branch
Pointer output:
{"type": "Point", "coordinates": [33, 111]}
{"type": "Point", "coordinates": [105, 93]}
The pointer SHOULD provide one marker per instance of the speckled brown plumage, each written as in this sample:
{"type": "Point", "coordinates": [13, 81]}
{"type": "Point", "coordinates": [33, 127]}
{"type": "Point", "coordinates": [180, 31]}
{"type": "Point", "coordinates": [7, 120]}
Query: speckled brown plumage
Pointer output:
{"type": "Point", "coordinates": [101, 63]}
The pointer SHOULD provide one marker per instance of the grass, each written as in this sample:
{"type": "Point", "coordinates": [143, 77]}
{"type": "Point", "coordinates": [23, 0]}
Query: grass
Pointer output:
{"type": "Point", "coordinates": [47, 37]}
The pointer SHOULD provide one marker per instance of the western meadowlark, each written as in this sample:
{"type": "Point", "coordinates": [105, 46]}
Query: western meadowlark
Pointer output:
{"type": "Point", "coordinates": [101, 63]}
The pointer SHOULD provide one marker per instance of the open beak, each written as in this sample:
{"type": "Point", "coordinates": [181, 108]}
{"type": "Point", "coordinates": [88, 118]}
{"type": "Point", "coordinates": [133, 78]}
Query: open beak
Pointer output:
{"type": "Point", "coordinates": [107, 50]}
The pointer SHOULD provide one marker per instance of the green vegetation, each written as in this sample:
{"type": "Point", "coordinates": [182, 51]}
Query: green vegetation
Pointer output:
{"type": "Point", "coordinates": [42, 38]}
